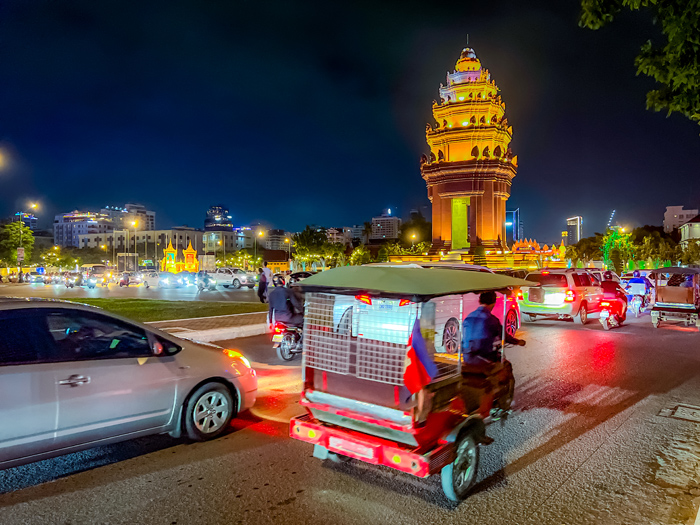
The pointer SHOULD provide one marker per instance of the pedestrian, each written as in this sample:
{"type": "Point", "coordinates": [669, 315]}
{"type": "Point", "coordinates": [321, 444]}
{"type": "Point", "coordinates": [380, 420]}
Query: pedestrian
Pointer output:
{"type": "Point", "coordinates": [262, 285]}
{"type": "Point", "coordinates": [268, 273]}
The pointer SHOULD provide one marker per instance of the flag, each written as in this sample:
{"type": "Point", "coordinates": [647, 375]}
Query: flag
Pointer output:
{"type": "Point", "coordinates": [419, 368]}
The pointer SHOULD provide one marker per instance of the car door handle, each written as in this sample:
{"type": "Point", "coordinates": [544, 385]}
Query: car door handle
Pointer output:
{"type": "Point", "coordinates": [74, 380]}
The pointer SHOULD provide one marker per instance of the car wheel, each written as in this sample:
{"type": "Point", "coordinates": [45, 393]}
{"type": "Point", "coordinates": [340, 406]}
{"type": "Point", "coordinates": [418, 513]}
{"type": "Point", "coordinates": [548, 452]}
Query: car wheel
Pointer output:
{"type": "Point", "coordinates": [208, 412]}
{"type": "Point", "coordinates": [582, 317]}
{"type": "Point", "coordinates": [236, 284]}
{"type": "Point", "coordinates": [458, 477]}
{"type": "Point", "coordinates": [511, 323]}
{"type": "Point", "coordinates": [251, 286]}
{"type": "Point", "coordinates": [146, 285]}
{"type": "Point", "coordinates": [225, 285]}
{"type": "Point", "coordinates": [450, 336]}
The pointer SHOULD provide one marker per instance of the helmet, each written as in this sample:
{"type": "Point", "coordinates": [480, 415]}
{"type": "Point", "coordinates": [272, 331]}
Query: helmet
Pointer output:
{"type": "Point", "coordinates": [607, 276]}
{"type": "Point", "coordinates": [636, 273]}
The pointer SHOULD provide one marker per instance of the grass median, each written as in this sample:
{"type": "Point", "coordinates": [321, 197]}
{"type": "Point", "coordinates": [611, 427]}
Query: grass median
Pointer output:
{"type": "Point", "coordinates": [145, 310]}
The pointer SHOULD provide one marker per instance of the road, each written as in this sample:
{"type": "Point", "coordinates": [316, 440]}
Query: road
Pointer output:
{"type": "Point", "coordinates": [189, 293]}
{"type": "Point", "coordinates": [589, 442]}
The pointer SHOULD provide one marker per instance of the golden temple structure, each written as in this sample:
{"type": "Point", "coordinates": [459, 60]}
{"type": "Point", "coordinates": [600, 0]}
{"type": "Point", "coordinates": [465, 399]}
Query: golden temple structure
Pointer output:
{"type": "Point", "coordinates": [470, 167]}
{"type": "Point", "coordinates": [169, 263]}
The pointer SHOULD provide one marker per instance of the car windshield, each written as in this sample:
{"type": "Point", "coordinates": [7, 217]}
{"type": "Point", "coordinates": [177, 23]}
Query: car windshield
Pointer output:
{"type": "Point", "coordinates": [548, 279]}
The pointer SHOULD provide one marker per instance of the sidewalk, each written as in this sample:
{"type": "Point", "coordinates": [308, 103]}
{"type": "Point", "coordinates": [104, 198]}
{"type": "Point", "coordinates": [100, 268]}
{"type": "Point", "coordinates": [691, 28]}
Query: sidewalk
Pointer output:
{"type": "Point", "coordinates": [216, 328]}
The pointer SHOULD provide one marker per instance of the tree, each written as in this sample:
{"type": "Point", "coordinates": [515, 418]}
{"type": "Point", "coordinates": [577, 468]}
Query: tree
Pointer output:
{"type": "Point", "coordinates": [12, 236]}
{"type": "Point", "coordinates": [691, 253]}
{"type": "Point", "coordinates": [310, 242]}
{"type": "Point", "coordinates": [415, 230]}
{"type": "Point", "coordinates": [360, 255]}
{"type": "Point", "coordinates": [675, 66]}
{"type": "Point", "coordinates": [366, 232]}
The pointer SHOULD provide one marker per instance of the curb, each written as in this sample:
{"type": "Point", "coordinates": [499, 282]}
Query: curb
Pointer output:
{"type": "Point", "coordinates": [219, 334]}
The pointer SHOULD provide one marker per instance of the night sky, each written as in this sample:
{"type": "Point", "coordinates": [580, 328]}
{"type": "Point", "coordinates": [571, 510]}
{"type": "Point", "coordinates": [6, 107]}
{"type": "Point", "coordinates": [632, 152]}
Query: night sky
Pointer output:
{"type": "Point", "coordinates": [314, 112]}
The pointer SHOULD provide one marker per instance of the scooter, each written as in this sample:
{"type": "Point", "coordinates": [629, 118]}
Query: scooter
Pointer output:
{"type": "Point", "coordinates": [610, 314]}
{"type": "Point", "coordinates": [287, 341]}
{"type": "Point", "coordinates": [636, 303]}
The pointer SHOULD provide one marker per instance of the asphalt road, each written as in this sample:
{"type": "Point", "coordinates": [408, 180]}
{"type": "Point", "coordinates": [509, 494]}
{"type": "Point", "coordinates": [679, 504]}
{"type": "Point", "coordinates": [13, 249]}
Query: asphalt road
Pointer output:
{"type": "Point", "coordinates": [589, 442]}
{"type": "Point", "coordinates": [189, 293]}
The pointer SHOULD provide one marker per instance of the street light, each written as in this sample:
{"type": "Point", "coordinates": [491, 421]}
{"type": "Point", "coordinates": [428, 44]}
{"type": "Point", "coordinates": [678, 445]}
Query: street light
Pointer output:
{"type": "Point", "coordinates": [413, 239]}
{"type": "Point", "coordinates": [289, 249]}
{"type": "Point", "coordinates": [260, 234]}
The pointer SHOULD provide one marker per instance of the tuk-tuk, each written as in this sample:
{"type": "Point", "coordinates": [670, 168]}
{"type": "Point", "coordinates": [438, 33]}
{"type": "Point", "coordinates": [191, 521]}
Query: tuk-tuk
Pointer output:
{"type": "Point", "coordinates": [361, 331]}
{"type": "Point", "coordinates": [679, 299]}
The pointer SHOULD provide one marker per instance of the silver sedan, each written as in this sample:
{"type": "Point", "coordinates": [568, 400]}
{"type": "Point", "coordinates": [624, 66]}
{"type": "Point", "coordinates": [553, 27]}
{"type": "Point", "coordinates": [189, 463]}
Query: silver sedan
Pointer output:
{"type": "Point", "coordinates": [73, 377]}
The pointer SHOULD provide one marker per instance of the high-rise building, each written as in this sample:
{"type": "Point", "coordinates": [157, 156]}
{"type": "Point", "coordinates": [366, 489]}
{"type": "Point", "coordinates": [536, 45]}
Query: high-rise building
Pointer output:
{"type": "Point", "coordinates": [275, 240]}
{"type": "Point", "coordinates": [29, 219]}
{"type": "Point", "coordinates": [675, 216]}
{"type": "Point", "coordinates": [385, 226]}
{"type": "Point", "coordinates": [574, 230]}
{"type": "Point", "coordinates": [134, 217]}
{"type": "Point", "coordinates": [470, 166]}
{"type": "Point", "coordinates": [218, 219]}
{"type": "Point", "coordinates": [513, 229]}
{"type": "Point", "coordinates": [68, 227]}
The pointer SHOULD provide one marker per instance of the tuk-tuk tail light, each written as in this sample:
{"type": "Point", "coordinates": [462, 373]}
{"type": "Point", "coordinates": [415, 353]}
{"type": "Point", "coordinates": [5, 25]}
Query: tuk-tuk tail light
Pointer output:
{"type": "Point", "coordinates": [404, 302]}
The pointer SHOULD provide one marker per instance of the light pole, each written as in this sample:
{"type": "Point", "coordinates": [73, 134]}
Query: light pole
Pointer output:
{"type": "Point", "coordinates": [289, 248]}
{"type": "Point", "coordinates": [260, 234]}
{"type": "Point", "coordinates": [413, 240]}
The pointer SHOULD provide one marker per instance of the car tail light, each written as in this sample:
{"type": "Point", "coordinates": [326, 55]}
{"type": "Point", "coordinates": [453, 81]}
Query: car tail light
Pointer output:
{"type": "Point", "coordinates": [404, 302]}
{"type": "Point", "coordinates": [364, 299]}
{"type": "Point", "coordinates": [570, 296]}
{"type": "Point", "coordinates": [546, 272]}
{"type": "Point", "coordinates": [605, 303]}
{"type": "Point", "coordinates": [519, 294]}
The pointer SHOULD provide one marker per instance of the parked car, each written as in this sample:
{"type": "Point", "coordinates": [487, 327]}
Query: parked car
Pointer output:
{"type": "Point", "coordinates": [235, 277]}
{"type": "Point", "coordinates": [80, 378]}
{"type": "Point", "coordinates": [149, 278]}
{"type": "Point", "coordinates": [561, 294]}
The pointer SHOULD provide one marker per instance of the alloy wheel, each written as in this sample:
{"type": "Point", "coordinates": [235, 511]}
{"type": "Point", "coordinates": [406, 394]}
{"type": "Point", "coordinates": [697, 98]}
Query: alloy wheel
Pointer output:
{"type": "Point", "coordinates": [211, 412]}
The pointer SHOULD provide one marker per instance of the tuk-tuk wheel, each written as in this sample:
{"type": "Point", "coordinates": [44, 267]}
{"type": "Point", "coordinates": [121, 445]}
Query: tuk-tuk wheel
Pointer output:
{"type": "Point", "coordinates": [459, 476]}
{"type": "Point", "coordinates": [655, 323]}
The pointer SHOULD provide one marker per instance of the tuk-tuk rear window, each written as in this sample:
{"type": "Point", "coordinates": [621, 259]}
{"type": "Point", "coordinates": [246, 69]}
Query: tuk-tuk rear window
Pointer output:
{"type": "Point", "coordinates": [548, 279]}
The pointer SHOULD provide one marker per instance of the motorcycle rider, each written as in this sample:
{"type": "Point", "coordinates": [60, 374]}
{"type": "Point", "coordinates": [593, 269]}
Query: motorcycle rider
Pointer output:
{"type": "Point", "coordinates": [284, 305]}
{"type": "Point", "coordinates": [612, 291]}
{"type": "Point", "coordinates": [637, 279]}
{"type": "Point", "coordinates": [480, 330]}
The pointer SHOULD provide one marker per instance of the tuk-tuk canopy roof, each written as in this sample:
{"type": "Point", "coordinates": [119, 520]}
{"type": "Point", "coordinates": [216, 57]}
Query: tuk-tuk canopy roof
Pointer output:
{"type": "Point", "coordinates": [676, 270]}
{"type": "Point", "coordinates": [417, 283]}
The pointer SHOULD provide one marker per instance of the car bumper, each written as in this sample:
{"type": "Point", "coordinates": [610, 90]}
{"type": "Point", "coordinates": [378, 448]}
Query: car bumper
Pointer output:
{"type": "Point", "coordinates": [549, 309]}
{"type": "Point", "coordinates": [248, 390]}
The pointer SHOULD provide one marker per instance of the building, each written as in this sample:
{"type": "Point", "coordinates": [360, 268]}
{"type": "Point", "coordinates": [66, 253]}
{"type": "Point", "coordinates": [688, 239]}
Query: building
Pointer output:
{"type": "Point", "coordinates": [29, 219]}
{"type": "Point", "coordinates": [353, 234]}
{"type": "Point", "coordinates": [131, 216]}
{"type": "Point", "coordinates": [385, 227]}
{"type": "Point", "coordinates": [69, 227]}
{"type": "Point", "coordinates": [335, 235]}
{"type": "Point", "coordinates": [276, 240]}
{"type": "Point", "coordinates": [513, 227]}
{"type": "Point", "coordinates": [675, 216]}
{"type": "Point", "coordinates": [218, 219]}
{"type": "Point", "coordinates": [574, 230]}
{"type": "Point", "coordinates": [470, 167]}
{"type": "Point", "coordinates": [690, 231]}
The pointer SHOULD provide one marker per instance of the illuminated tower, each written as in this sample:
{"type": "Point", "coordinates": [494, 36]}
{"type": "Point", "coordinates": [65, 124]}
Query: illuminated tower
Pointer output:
{"type": "Point", "coordinates": [471, 166]}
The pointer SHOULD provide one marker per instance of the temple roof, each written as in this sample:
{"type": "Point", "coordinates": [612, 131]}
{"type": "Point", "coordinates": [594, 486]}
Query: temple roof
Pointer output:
{"type": "Point", "coordinates": [468, 61]}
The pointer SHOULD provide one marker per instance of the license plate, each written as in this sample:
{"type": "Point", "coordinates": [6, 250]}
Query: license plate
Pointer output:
{"type": "Point", "coordinates": [604, 314]}
{"type": "Point", "coordinates": [277, 338]}
{"type": "Point", "coordinates": [343, 445]}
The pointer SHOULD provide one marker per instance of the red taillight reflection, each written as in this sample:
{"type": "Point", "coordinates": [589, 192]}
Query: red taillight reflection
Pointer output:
{"type": "Point", "coordinates": [570, 296]}
{"type": "Point", "coordinates": [364, 299]}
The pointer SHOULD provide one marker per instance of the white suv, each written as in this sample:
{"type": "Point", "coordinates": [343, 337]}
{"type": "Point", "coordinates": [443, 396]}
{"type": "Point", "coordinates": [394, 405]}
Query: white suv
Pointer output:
{"type": "Point", "coordinates": [234, 277]}
{"type": "Point", "coordinates": [561, 294]}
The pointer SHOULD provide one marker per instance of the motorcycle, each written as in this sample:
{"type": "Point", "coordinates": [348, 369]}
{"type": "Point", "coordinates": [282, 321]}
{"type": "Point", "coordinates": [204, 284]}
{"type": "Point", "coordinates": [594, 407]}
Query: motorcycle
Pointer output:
{"type": "Point", "coordinates": [287, 341]}
{"type": "Point", "coordinates": [205, 282]}
{"type": "Point", "coordinates": [124, 281]}
{"type": "Point", "coordinates": [611, 314]}
{"type": "Point", "coordinates": [636, 303]}
{"type": "Point", "coordinates": [92, 282]}
{"type": "Point", "coordinates": [500, 384]}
